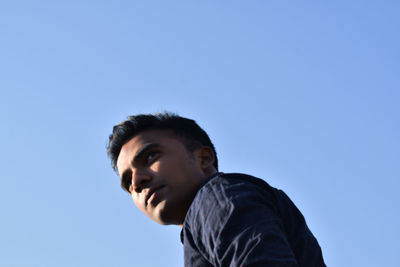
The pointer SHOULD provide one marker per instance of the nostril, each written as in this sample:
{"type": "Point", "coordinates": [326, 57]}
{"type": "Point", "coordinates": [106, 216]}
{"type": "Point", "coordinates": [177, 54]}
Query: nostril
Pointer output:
{"type": "Point", "coordinates": [140, 185]}
{"type": "Point", "coordinates": [140, 180]}
{"type": "Point", "coordinates": [138, 189]}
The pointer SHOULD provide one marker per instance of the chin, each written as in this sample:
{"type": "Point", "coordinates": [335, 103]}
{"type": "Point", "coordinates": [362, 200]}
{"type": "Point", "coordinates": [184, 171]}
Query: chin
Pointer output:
{"type": "Point", "coordinates": [166, 216]}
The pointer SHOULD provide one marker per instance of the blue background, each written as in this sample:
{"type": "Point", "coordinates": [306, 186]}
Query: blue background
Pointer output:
{"type": "Point", "coordinates": [304, 94]}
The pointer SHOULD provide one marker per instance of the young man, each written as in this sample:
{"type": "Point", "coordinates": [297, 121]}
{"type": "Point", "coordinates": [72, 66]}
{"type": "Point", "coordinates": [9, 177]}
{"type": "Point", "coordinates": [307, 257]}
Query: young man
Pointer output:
{"type": "Point", "coordinates": [169, 166]}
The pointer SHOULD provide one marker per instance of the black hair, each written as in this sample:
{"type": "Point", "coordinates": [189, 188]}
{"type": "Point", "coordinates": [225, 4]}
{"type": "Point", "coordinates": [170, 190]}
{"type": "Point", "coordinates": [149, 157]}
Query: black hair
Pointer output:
{"type": "Point", "coordinates": [188, 130]}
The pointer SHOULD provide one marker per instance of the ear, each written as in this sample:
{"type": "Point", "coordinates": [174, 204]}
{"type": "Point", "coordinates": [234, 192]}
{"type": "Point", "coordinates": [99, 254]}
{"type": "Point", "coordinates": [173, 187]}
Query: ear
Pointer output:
{"type": "Point", "coordinates": [205, 157]}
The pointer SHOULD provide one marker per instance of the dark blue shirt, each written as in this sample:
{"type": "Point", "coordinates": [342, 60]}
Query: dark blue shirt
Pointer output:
{"type": "Point", "coordinates": [239, 220]}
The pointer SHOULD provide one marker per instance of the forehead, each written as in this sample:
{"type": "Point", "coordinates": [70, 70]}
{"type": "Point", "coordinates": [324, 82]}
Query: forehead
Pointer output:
{"type": "Point", "coordinates": [152, 136]}
{"type": "Point", "coordinates": [165, 138]}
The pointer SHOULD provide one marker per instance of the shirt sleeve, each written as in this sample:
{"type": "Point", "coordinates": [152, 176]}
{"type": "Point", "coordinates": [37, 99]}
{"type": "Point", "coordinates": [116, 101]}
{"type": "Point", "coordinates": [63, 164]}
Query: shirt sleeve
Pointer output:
{"type": "Point", "coordinates": [238, 225]}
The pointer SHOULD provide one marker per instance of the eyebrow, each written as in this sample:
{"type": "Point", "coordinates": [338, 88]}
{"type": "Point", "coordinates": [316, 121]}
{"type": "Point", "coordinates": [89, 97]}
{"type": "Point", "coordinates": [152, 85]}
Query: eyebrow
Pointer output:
{"type": "Point", "coordinates": [141, 151]}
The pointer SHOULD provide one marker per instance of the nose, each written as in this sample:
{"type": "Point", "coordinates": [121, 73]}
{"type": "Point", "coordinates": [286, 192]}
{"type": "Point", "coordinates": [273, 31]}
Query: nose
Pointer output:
{"type": "Point", "coordinates": [140, 180]}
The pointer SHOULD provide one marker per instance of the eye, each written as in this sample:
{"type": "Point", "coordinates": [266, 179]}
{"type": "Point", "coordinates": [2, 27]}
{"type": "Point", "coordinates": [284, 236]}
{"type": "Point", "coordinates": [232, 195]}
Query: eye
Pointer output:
{"type": "Point", "coordinates": [126, 183]}
{"type": "Point", "coordinates": [151, 156]}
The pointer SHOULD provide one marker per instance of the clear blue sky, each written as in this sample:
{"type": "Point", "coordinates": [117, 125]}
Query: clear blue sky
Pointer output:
{"type": "Point", "coordinates": [304, 94]}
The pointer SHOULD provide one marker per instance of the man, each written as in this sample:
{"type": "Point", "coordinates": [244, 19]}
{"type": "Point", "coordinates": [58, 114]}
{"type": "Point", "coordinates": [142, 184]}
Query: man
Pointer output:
{"type": "Point", "coordinates": [169, 166]}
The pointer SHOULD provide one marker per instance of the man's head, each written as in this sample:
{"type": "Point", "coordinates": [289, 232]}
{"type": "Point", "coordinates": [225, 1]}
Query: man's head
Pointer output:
{"type": "Point", "coordinates": [162, 159]}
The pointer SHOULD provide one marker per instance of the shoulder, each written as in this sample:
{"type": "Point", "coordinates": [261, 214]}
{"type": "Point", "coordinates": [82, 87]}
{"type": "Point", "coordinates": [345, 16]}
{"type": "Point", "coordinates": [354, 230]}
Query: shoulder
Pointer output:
{"type": "Point", "coordinates": [225, 192]}
{"type": "Point", "coordinates": [227, 202]}
{"type": "Point", "coordinates": [227, 187]}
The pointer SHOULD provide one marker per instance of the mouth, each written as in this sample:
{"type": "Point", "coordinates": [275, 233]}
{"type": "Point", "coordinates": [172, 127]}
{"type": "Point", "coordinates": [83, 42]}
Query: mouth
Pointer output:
{"type": "Point", "coordinates": [151, 192]}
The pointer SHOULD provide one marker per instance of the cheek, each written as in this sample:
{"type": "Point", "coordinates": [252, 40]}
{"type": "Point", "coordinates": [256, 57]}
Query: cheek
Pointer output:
{"type": "Point", "coordinates": [166, 167]}
{"type": "Point", "coordinates": [176, 169]}
{"type": "Point", "coordinates": [155, 167]}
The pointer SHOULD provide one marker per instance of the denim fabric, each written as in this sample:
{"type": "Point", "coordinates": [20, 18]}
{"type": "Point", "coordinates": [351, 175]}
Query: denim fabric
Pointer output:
{"type": "Point", "coordinates": [239, 220]}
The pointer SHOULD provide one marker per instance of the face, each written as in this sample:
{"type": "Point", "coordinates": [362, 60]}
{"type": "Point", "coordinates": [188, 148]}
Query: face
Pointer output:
{"type": "Point", "coordinates": [160, 174]}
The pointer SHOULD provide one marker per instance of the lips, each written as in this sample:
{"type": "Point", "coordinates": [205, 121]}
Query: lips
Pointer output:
{"type": "Point", "coordinates": [151, 192]}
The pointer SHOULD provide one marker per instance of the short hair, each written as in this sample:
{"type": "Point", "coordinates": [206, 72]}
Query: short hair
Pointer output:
{"type": "Point", "coordinates": [191, 134]}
